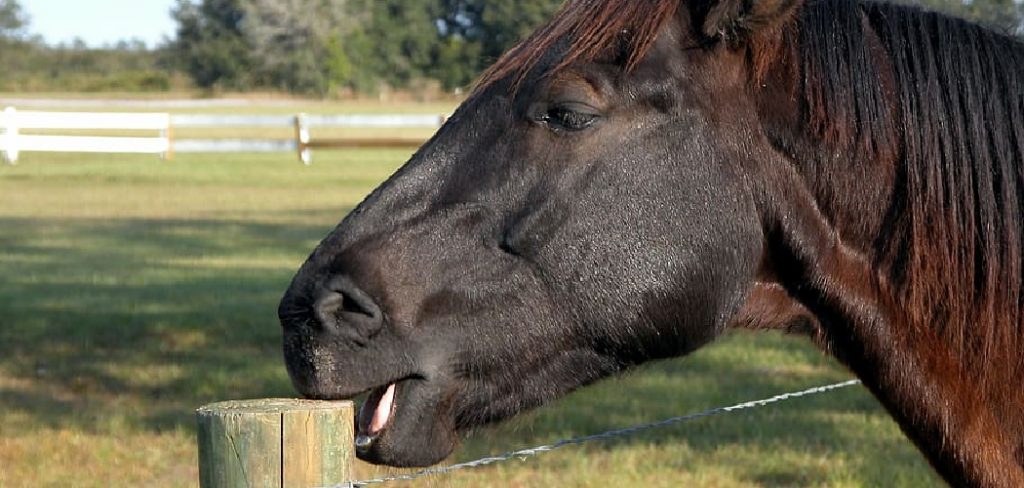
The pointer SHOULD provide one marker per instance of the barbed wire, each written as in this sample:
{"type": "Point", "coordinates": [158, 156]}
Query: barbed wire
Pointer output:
{"type": "Point", "coordinates": [534, 451]}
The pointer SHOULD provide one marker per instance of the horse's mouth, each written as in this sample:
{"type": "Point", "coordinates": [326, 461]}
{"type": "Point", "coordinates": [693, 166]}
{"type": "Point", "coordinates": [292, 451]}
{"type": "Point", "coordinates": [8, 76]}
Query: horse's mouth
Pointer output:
{"type": "Point", "coordinates": [376, 414]}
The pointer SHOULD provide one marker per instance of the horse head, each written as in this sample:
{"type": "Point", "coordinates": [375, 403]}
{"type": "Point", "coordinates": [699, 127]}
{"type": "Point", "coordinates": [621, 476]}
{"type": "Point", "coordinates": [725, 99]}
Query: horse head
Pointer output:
{"type": "Point", "coordinates": [567, 222]}
{"type": "Point", "coordinates": [639, 176]}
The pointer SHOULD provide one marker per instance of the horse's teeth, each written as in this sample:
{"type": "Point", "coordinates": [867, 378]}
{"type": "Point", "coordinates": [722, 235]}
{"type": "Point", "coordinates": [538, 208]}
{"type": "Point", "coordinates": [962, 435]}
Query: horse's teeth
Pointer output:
{"type": "Point", "coordinates": [382, 411]}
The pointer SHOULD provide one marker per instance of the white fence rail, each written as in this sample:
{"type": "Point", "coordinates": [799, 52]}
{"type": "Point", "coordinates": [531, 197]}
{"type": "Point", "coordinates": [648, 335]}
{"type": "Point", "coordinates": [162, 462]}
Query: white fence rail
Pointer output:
{"type": "Point", "coordinates": [14, 122]}
{"type": "Point", "coordinates": [13, 142]}
{"type": "Point", "coordinates": [368, 121]}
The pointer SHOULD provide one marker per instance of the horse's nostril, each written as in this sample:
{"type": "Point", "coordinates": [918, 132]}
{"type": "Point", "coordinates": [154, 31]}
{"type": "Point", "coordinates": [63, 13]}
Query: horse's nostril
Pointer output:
{"type": "Point", "coordinates": [352, 305]}
{"type": "Point", "coordinates": [342, 307]}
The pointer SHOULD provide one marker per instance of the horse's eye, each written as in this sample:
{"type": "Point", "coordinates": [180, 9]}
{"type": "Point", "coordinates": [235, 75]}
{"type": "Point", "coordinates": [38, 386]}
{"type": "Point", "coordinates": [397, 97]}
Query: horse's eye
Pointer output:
{"type": "Point", "coordinates": [568, 117]}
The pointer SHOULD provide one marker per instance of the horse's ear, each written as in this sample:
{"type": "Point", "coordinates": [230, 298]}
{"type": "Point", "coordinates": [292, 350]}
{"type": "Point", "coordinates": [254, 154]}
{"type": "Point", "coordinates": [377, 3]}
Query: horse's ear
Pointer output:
{"type": "Point", "coordinates": [737, 21]}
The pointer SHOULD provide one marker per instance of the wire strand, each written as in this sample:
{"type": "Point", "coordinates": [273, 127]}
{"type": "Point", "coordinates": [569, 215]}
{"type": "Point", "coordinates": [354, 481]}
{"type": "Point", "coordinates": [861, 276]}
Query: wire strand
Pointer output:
{"type": "Point", "coordinates": [534, 451]}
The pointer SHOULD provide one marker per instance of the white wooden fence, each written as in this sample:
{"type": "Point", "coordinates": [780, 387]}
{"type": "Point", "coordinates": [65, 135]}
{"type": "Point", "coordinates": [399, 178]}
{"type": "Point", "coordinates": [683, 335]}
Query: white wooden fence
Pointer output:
{"type": "Point", "coordinates": [162, 125]}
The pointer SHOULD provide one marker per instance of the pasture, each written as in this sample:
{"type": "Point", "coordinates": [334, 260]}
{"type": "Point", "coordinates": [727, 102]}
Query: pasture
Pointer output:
{"type": "Point", "coordinates": [133, 291]}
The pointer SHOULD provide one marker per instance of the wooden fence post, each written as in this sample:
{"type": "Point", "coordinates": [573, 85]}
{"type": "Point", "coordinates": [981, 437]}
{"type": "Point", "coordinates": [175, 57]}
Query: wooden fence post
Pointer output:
{"type": "Point", "coordinates": [10, 137]}
{"type": "Point", "coordinates": [275, 443]}
{"type": "Point", "coordinates": [302, 139]}
{"type": "Point", "coordinates": [168, 134]}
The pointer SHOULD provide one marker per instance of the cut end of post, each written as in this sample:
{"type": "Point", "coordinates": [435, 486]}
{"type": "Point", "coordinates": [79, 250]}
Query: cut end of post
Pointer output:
{"type": "Point", "coordinates": [275, 442]}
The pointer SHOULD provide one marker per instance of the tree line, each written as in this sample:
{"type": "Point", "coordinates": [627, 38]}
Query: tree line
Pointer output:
{"type": "Point", "coordinates": [29, 64]}
{"type": "Point", "coordinates": [317, 47]}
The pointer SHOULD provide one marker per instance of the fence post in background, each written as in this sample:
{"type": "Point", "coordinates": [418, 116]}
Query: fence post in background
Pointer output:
{"type": "Point", "coordinates": [168, 134]}
{"type": "Point", "coordinates": [302, 139]}
{"type": "Point", "coordinates": [275, 443]}
{"type": "Point", "coordinates": [9, 142]}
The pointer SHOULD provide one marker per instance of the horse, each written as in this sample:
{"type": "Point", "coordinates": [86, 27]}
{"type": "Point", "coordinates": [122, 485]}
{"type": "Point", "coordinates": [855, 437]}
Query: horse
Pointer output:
{"type": "Point", "coordinates": [638, 177]}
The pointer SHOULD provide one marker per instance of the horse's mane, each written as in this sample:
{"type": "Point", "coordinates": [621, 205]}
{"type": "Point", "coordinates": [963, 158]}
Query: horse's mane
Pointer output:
{"type": "Point", "coordinates": [955, 249]}
{"type": "Point", "coordinates": [953, 246]}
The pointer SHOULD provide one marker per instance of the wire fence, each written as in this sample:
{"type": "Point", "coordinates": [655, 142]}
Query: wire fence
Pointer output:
{"type": "Point", "coordinates": [522, 454]}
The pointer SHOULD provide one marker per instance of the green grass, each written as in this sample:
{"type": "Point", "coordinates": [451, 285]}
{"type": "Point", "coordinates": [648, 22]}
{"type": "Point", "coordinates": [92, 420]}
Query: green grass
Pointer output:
{"type": "Point", "coordinates": [132, 291]}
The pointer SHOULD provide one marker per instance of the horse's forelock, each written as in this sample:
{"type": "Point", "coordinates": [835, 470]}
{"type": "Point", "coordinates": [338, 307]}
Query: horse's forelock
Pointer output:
{"type": "Point", "coordinates": [592, 28]}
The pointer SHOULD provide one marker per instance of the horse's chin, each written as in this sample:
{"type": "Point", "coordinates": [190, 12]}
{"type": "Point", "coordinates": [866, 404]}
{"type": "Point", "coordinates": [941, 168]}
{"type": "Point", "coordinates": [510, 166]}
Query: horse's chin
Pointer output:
{"type": "Point", "coordinates": [398, 424]}
{"type": "Point", "coordinates": [406, 419]}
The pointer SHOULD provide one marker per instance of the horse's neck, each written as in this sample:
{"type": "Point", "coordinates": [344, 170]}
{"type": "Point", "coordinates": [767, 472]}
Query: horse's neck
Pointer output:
{"type": "Point", "coordinates": [913, 372]}
{"type": "Point", "coordinates": [838, 246]}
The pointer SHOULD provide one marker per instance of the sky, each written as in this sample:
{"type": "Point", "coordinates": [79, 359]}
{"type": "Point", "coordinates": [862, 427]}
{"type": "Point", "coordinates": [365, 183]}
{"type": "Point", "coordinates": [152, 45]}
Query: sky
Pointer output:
{"type": "Point", "coordinates": [100, 22]}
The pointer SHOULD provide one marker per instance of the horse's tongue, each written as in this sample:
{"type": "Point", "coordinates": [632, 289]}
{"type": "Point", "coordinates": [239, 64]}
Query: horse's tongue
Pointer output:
{"type": "Point", "coordinates": [376, 411]}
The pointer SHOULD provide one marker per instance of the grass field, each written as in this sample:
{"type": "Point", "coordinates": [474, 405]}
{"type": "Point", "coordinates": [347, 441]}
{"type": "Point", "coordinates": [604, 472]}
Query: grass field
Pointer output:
{"type": "Point", "coordinates": [133, 291]}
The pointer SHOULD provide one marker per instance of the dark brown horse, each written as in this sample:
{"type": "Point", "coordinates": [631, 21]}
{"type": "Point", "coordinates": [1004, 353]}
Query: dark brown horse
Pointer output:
{"type": "Point", "coordinates": [640, 175]}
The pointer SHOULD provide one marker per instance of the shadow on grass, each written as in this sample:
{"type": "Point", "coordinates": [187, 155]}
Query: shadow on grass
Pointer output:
{"type": "Point", "coordinates": [141, 320]}
{"type": "Point", "coordinates": [131, 324]}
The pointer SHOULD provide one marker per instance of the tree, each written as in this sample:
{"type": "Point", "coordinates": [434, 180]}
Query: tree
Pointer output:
{"type": "Point", "coordinates": [210, 46]}
{"type": "Point", "coordinates": [1003, 15]}
{"type": "Point", "coordinates": [397, 41]}
{"type": "Point", "coordinates": [298, 43]}
{"type": "Point", "coordinates": [13, 20]}
{"type": "Point", "coordinates": [447, 40]}
{"type": "Point", "coordinates": [293, 45]}
{"type": "Point", "coordinates": [495, 24]}
{"type": "Point", "coordinates": [457, 62]}
{"type": "Point", "coordinates": [315, 46]}
{"type": "Point", "coordinates": [483, 30]}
